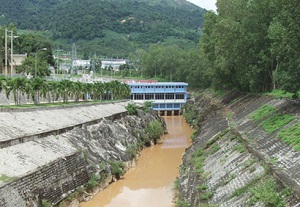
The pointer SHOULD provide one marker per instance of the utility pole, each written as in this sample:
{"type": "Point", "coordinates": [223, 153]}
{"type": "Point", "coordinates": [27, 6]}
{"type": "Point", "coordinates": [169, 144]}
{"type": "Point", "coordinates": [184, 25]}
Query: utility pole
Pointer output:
{"type": "Point", "coordinates": [5, 72]}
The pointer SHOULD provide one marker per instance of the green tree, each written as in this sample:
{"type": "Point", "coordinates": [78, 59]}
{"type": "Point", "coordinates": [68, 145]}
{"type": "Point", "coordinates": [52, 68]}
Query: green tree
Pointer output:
{"type": "Point", "coordinates": [284, 31]}
{"type": "Point", "coordinates": [155, 130]}
{"type": "Point", "coordinates": [37, 88]}
{"type": "Point", "coordinates": [17, 86]}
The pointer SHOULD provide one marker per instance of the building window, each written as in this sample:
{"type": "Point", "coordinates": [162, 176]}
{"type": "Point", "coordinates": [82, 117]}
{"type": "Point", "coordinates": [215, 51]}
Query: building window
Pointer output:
{"type": "Point", "coordinates": [179, 96]}
{"type": "Point", "coordinates": [159, 96]}
{"type": "Point", "coordinates": [169, 96]}
{"type": "Point", "coordinates": [149, 96]}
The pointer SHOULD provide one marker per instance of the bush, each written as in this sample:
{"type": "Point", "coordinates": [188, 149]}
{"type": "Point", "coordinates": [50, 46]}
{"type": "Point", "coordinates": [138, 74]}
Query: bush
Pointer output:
{"type": "Point", "coordinates": [131, 108]}
{"type": "Point", "coordinates": [91, 183]}
{"type": "Point", "coordinates": [117, 168]}
{"type": "Point", "coordinates": [155, 130]}
{"type": "Point", "coordinates": [147, 106]}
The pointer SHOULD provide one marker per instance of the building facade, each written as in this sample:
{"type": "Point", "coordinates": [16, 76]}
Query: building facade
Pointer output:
{"type": "Point", "coordinates": [167, 97]}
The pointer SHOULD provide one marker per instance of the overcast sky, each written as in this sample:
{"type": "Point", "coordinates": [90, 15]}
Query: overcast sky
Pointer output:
{"type": "Point", "coordinates": [206, 4]}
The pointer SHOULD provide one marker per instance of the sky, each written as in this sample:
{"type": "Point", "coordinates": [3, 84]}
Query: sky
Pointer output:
{"type": "Point", "coordinates": [207, 4]}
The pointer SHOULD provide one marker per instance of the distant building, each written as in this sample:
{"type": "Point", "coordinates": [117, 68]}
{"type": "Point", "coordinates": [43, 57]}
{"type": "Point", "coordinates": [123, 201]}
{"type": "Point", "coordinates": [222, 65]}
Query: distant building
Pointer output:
{"type": "Point", "coordinates": [81, 63]}
{"type": "Point", "coordinates": [17, 61]}
{"type": "Point", "coordinates": [114, 63]}
{"type": "Point", "coordinates": [167, 97]}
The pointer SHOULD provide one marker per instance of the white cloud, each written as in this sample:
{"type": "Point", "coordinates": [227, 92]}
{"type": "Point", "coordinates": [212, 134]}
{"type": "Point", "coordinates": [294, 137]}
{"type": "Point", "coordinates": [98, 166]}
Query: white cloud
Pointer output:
{"type": "Point", "coordinates": [207, 4]}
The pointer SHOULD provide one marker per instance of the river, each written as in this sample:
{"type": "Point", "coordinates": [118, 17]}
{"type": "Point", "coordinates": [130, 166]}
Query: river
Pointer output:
{"type": "Point", "coordinates": [150, 183]}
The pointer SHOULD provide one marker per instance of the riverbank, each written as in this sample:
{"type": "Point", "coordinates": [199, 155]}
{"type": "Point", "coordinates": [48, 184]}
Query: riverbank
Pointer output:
{"type": "Point", "coordinates": [46, 154]}
{"type": "Point", "coordinates": [151, 181]}
{"type": "Point", "coordinates": [235, 159]}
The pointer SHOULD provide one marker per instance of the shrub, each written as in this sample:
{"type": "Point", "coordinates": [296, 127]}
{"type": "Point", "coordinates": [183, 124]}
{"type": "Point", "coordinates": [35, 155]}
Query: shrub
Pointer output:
{"type": "Point", "coordinates": [265, 193]}
{"type": "Point", "coordinates": [147, 106]}
{"type": "Point", "coordinates": [155, 130]}
{"type": "Point", "coordinates": [131, 108]}
{"type": "Point", "coordinates": [93, 182]}
{"type": "Point", "coordinates": [117, 168]}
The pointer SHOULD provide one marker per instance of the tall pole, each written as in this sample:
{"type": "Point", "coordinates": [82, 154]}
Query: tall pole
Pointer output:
{"type": "Point", "coordinates": [5, 72]}
{"type": "Point", "coordinates": [11, 53]}
{"type": "Point", "coordinates": [35, 62]}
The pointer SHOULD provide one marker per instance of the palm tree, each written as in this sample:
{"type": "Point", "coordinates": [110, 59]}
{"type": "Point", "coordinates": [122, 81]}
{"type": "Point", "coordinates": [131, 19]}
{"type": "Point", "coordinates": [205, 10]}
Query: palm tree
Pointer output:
{"type": "Point", "coordinates": [98, 90]}
{"type": "Point", "coordinates": [65, 89]}
{"type": "Point", "coordinates": [2, 83]}
{"type": "Point", "coordinates": [107, 89]}
{"type": "Point", "coordinates": [77, 90]}
{"type": "Point", "coordinates": [17, 86]}
{"type": "Point", "coordinates": [88, 90]}
{"type": "Point", "coordinates": [53, 92]}
{"type": "Point", "coordinates": [36, 86]}
{"type": "Point", "coordinates": [125, 91]}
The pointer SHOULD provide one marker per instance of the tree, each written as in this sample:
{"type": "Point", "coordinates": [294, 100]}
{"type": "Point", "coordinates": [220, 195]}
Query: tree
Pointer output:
{"type": "Point", "coordinates": [37, 88]}
{"type": "Point", "coordinates": [155, 130]}
{"type": "Point", "coordinates": [284, 34]}
{"type": "Point", "coordinates": [65, 89]}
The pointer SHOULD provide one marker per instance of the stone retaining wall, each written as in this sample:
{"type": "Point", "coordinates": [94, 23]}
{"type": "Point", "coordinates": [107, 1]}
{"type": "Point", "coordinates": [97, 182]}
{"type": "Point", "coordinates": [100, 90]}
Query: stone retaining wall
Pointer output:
{"type": "Point", "coordinates": [237, 152]}
{"type": "Point", "coordinates": [47, 154]}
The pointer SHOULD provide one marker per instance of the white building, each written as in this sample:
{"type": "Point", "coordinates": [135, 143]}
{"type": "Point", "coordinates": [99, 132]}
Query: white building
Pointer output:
{"type": "Point", "coordinates": [115, 64]}
{"type": "Point", "coordinates": [82, 63]}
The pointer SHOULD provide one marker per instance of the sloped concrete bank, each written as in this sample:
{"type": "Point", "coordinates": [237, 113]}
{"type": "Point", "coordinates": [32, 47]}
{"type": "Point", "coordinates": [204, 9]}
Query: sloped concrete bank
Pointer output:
{"type": "Point", "coordinates": [47, 154]}
{"type": "Point", "coordinates": [233, 161]}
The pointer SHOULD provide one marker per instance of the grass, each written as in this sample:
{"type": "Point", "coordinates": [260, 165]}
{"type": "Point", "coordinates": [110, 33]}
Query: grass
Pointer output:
{"type": "Point", "coordinates": [280, 94]}
{"type": "Point", "coordinates": [239, 147]}
{"type": "Point", "coordinates": [265, 192]}
{"type": "Point", "coordinates": [262, 112]}
{"type": "Point", "coordinates": [6, 179]}
{"type": "Point", "coordinates": [275, 122]}
{"type": "Point", "coordinates": [291, 136]}
{"type": "Point", "coordinates": [55, 104]}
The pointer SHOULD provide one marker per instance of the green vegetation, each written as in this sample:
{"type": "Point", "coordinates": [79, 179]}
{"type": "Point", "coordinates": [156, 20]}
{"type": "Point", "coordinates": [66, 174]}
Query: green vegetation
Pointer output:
{"type": "Point", "coordinates": [291, 136]}
{"type": "Point", "coordinates": [46, 203]}
{"type": "Point", "coordinates": [132, 151]}
{"type": "Point", "coordinates": [262, 112]}
{"type": "Point", "coordinates": [113, 28]}
{"type": "Point", "coordinates": [276, 122]}
{"type": "Point", "coordinates": [280, 94]}
{"type": "Point", "coordinates": [266, 192]}
{"type": "Point", "coordinates": [155, 130]}
{"type": "Point", "coordinates": [6, 179]}
{"type": "Point", "coordinates": [239, 147]}
{"type": "Point", "coordinates": [93, 182]}
{"type": "Point", "coordinates": [230, 178]}
{"type": "Point", "coordinates": [36, 88]}
{"type": "Point", "coordinates": [147, 106]}
{"type": "Point", "coordinates": [131, 108]}
{"type": "Point", "coordinates": [190, 115]}
{"type": "Point", "coordinates": [182, 203]}
{"type": "Point", "coordinates": [117, 168]}
{"type": "Point", "coordinates": [206, 195]}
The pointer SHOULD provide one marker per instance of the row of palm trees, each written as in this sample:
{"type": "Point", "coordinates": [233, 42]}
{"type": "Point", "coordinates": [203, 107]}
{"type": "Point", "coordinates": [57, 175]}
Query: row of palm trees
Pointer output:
{"type": "Point", "coordinates": [64, 90]}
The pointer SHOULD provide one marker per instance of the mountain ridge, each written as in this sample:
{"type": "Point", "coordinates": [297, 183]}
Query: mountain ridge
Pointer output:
{"type": "Point", "coordinates": [141, 22]}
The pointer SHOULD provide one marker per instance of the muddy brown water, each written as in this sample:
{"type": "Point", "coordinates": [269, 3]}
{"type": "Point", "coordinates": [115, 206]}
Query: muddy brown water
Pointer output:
{"type": "Point", "coordinates": [150, 183]}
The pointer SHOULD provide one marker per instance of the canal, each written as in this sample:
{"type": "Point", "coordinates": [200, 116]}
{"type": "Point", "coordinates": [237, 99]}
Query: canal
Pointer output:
{"type": "Point", "coordinates": [150, 183]}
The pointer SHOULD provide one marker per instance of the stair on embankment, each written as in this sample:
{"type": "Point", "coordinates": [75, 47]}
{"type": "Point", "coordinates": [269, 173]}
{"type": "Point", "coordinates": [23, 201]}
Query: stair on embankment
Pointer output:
{"type": "Point", "coordinates": [233, 161]}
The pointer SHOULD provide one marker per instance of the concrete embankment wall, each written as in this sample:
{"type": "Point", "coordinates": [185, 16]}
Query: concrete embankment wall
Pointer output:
{"type": "Point", "coordinates": [232, 155]}
{"type": "Point", "coordinates": [48, 153]}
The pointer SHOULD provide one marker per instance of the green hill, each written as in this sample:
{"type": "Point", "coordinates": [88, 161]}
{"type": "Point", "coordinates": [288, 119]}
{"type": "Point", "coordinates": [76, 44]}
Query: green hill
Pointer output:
{"type": "Point", "coordinates": [107, 27]}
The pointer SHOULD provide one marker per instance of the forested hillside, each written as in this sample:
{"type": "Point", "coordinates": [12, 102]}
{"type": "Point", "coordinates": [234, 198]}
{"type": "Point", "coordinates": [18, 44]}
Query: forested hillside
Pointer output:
{"type": "Point", "coordinates": [251, 46]}
{"type": "Point", "coordinates": [125, 25]}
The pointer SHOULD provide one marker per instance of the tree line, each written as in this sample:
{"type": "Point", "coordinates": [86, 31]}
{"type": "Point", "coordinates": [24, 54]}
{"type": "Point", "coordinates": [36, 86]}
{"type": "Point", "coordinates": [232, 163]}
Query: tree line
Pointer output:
{"type": "Point", "coordinates": [251, 46]}
{"type": "Point", "coordinates": [64, 90]}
